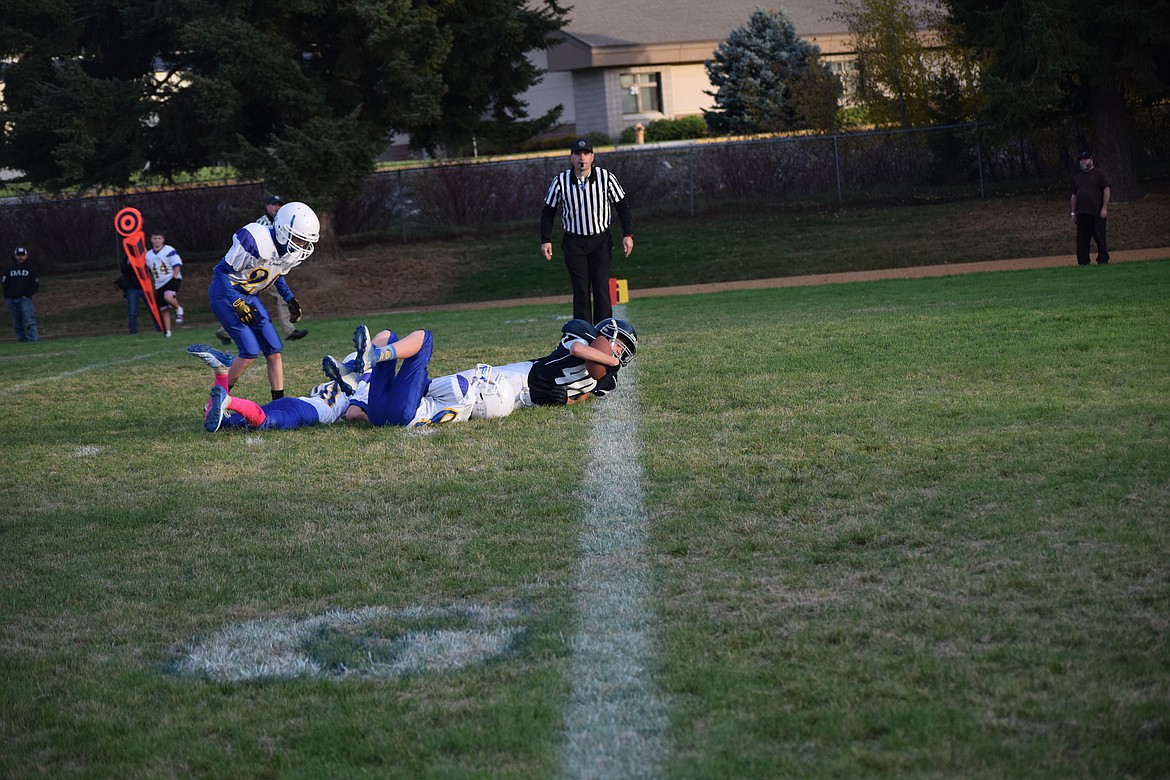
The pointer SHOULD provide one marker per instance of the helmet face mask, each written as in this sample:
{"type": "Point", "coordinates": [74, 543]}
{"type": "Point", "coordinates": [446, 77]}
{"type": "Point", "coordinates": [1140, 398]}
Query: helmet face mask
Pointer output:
{"type": "Point", "coordinates": [297, 230]}
{"type": "Point", "coordinates": [493, 398]}
{"type": "Point", "coordinates": [623, 333]}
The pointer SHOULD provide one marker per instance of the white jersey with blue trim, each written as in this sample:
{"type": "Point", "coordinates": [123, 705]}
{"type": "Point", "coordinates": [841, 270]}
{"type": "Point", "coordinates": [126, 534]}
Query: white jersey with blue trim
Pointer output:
{"type": "Point", "coordinates": [517, 376]}
{"type": "Point", "coordinates": [457, 392]}
{"type": "Point", "coordinates": [328, 401]}
{"type": "Point", "coordinates": [161, 264]}
{"type": "Point", "coordinates": [256, 260]}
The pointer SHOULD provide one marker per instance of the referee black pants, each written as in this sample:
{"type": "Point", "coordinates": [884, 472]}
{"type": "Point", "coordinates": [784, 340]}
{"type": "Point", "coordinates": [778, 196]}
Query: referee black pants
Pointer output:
{"type": "Point", "coordinates": [589, 259]}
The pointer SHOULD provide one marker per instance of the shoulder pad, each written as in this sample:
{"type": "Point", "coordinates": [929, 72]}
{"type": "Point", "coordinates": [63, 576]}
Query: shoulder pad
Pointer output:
{"type": "Point", "coordinates": [257, 241]}
{"type": "Point", "coordinates": [580, 328]}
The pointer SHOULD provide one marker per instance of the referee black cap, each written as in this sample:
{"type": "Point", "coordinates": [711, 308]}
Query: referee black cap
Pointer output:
{"type": "Point", "coordinates": [273, 199]}
{"type": "Point", "coordinates": [581, 145]}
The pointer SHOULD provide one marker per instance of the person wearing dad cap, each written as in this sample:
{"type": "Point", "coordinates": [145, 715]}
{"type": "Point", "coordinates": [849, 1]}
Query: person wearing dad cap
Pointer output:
{"type": "Point", "coordinates": [1088, 208]}
{"type": "Point", "coordinates": [20, 285]}
{"type": "Point", "coordinates": [586, 197]}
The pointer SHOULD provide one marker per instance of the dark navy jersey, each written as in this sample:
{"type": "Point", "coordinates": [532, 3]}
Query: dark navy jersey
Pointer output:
{"type": "Point", "coordinates": [559, 376]}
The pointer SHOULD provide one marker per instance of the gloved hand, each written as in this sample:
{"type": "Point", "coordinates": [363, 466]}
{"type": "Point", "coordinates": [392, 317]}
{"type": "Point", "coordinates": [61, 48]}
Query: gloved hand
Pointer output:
{"type": "Point", "coordinates": [247, 313]}
{"type": "Point", "coordinates": [294, 311]}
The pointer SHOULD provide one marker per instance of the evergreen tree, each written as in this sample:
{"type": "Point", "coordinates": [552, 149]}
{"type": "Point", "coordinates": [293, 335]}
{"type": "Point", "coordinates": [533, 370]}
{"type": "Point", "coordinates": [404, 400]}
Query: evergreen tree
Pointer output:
{"type": "Point", "coordinates": [303, 94]}
{"type": "Point", "coordinates": [1049, 61]}
{"type": "Point", "coordinates": [767, 79]}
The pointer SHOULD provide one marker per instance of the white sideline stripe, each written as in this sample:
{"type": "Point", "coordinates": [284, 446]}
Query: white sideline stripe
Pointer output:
{"type": "Point", "coordinates": [617, 716]}
{"type": "Point", "coordinates": [65, 374]}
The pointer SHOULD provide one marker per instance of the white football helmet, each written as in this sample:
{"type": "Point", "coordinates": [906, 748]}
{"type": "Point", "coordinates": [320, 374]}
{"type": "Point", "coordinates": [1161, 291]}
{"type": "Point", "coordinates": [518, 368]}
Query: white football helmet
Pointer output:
{"type": "Point", "coordinates": [297, 230]}
{"type": "Point", "coordinates": [493, 396]}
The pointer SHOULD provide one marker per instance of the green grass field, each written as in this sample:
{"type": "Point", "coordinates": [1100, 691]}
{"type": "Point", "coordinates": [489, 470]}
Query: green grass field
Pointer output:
{"type": "Point", "coordinates": [901, 529]}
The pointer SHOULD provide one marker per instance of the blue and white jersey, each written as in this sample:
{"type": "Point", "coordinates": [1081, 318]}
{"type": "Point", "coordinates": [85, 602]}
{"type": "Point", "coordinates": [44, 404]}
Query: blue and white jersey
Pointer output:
{"type": "Point", "coordinates": [517, 376]}
{"type": "Point", "coordinates": [362, 395]}
{"type": "Point", "coordinates": [161, 264]}
{"type": "Point", "coordinates": [458, 393]}
{"type": "Point", "coordinates": [255, 261]}
{"type": "Point", "coordinates": [328, 401]}
{"type": "Point", "coordinates": [444, 392]}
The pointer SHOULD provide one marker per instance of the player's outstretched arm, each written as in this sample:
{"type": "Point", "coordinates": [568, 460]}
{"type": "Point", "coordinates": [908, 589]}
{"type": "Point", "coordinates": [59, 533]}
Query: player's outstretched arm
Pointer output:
{"type": "Point", "coordinates": [582, 350]}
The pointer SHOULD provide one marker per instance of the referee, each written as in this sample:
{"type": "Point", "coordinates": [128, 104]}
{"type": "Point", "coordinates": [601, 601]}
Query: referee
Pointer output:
{"type": "Point", "coordinates": [586, 197]}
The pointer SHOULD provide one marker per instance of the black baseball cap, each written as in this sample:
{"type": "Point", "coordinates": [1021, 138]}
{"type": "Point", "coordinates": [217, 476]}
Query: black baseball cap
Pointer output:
{"type": "Point", "coordinates": [20, 250]}
{"type": "Point", "coordinates": [1085, 155]}
{"type": "Point", "coordinates": [273, 199]}
{"type": "Point", "coordinates": [581, 145]}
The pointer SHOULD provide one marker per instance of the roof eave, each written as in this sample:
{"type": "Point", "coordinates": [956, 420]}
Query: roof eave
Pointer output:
{"type": "Point", "coordinates": [573, 53]}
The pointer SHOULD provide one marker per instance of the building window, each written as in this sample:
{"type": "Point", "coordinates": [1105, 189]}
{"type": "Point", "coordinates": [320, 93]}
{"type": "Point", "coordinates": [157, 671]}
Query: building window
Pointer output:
{"type": "Point", "coordinates": [640, 93]}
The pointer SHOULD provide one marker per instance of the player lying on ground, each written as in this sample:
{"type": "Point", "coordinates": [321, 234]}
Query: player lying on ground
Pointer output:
{"type": "Point", "coordinates": [323, 405]}
{"type": "Point", "coordinates": [584, 363]}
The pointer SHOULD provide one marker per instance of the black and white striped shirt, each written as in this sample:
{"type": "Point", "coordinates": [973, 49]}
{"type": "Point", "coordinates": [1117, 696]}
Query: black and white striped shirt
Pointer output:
{"type": "Point", "coordinates": [585, 204]}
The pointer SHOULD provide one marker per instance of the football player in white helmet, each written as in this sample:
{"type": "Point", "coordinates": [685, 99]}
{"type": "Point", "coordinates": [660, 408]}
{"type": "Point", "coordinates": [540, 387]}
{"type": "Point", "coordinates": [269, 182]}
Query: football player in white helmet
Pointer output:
{"type": "Point", "coordinates": [297, 230]}
{"type": "Point", "coordinates": [259, 258]}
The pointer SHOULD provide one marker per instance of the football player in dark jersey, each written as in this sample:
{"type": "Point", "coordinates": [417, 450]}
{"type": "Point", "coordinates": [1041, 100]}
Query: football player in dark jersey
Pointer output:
{"type": "Point", "coordinates": [562, 376]}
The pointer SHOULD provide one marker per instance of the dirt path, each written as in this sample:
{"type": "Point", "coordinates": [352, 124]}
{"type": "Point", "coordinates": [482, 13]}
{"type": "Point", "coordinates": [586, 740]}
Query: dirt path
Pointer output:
{"type": "Point", "coordinates": [918, 272]}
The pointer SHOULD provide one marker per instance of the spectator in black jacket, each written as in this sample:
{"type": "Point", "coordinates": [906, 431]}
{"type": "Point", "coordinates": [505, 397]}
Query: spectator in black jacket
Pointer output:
{"type": "Point", "coordinates": [20, 285]}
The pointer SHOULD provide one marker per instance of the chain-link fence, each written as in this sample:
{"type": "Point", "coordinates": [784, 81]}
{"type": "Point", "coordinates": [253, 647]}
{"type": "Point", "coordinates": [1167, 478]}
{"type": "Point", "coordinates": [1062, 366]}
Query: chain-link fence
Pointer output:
{"type": "Point", "coordinates": [680, 178]}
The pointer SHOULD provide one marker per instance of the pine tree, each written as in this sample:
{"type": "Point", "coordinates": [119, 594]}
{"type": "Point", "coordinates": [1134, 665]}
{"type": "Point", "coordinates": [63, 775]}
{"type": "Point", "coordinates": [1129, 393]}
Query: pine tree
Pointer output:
{"type": "Point", "coordinates": [767, 79]}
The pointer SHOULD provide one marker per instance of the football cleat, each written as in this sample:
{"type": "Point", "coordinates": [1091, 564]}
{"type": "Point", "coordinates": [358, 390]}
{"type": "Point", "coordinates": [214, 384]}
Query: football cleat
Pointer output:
{"type": "Point", "coordinates": [340, 373]}
{"type": "Point", "coordinates": [365, 350]}
{"type": "Point", "coordinates": [211, 356]}
{"type": "Point", "coordinates": [216, 409]}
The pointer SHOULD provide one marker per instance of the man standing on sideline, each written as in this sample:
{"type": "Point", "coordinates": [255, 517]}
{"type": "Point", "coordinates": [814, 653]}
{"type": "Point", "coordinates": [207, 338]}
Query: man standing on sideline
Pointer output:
{"type": "Point", "coordinates": [279, 307]}
{"type": "Point", "coordinates": [586, 197]}
{"type": "Point", "coordinates": [20, 285]}
{"type": "Point", "coordinates": [1088, 208]}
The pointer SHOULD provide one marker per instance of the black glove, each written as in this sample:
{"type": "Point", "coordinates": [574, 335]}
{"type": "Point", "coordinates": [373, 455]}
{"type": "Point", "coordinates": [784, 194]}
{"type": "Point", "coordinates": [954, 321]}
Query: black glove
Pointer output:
{"type": "Point", "coordinates": [294, 311]}
{"type": "Point", "coordinates": [245, 311]}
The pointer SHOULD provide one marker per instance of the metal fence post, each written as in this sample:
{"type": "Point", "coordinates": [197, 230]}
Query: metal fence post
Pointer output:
{"type": "Point", "coordinates": [837, 166]}
{"type": "Point", "coordinates": [402, 200]}
{"type": "Point", "coordinates": [691, 175]}
{"type": "Point", "coordinates": [979, 159]}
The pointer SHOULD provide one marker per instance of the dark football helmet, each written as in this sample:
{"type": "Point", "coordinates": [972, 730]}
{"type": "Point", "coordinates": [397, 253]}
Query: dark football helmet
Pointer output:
{"type": "Point", "coordinates": [621, 331]}
{"type": "Point", "coordinates": [580, 328]}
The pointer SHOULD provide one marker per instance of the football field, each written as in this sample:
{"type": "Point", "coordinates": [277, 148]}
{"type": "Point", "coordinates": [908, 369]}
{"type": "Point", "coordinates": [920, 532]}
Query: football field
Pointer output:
{"type": "Point", "coordinates": [906, 528]}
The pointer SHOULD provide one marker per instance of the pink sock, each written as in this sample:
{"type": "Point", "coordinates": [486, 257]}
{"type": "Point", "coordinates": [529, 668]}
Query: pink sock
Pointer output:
{"type": "Point", "coordinates": [249, 410]}
{"type": "Point", "coordinates": [221, 380]}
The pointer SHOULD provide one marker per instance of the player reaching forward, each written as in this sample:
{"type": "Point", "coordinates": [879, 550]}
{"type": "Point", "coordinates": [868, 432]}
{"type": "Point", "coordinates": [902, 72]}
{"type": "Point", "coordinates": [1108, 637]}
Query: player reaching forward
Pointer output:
{"type": "Point", "coordinates": [259, 258]}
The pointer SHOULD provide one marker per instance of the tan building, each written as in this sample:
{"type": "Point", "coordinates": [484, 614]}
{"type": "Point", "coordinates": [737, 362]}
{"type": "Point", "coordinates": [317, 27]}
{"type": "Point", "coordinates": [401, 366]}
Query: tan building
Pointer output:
{"type": "Point", "coordinates": [627, 61]}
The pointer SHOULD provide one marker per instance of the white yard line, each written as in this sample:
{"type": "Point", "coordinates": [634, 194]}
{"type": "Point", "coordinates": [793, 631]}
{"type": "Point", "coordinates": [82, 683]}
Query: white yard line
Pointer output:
{"type": "Point", "coordinates": [617, 715]}
{"type": "Point", "coordinates": [22, 386]}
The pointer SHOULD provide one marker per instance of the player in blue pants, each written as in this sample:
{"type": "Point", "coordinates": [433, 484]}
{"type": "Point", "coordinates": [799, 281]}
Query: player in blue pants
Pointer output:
{"type": "Point", "coordinates": [324, 404]}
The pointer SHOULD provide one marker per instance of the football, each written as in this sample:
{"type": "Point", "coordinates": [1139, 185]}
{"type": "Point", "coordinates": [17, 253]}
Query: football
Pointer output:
{"type": "Point", "coordinates": [595, 369]}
